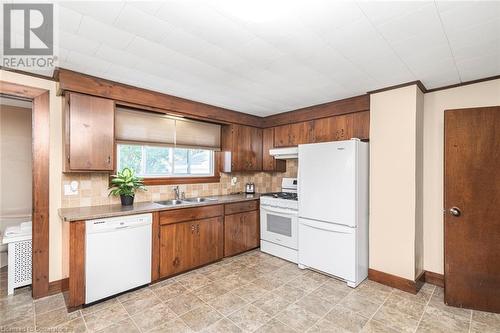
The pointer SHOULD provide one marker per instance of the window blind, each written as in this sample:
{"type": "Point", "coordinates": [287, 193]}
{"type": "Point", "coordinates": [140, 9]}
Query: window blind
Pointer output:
{"type": "Point", "coordinates": [148, 127]}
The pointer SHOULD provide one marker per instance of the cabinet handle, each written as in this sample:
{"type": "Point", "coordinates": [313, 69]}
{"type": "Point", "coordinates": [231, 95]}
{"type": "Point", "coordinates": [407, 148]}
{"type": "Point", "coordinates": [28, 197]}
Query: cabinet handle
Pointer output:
{"type": "Point", "coordinates": [198, 229]}
{"type": "Point", "coordinates": [109, 159]}
{"type": "Point", "coordinates": [192, 228]}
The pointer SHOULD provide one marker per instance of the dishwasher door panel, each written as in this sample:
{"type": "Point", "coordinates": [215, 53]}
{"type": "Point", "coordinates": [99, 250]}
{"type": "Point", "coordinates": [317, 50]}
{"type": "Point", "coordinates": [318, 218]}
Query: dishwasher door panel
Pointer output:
{"type": "Point", "coordinates": [116, 261]}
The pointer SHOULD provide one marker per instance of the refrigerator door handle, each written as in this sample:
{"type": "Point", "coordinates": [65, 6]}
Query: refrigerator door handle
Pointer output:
{"type": "Point", "coordinates": [324, 229]}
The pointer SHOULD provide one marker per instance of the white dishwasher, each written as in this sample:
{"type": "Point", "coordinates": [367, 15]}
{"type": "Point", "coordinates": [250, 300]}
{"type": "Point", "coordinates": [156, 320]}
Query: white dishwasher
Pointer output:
{"type": "Point", "coordinates": [117, 255]}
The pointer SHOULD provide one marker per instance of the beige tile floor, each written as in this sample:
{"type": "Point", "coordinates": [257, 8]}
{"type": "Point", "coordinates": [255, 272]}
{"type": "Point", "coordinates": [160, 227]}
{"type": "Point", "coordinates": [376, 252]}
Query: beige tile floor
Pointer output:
{"type": "Point", "coordinates": [253, 292]}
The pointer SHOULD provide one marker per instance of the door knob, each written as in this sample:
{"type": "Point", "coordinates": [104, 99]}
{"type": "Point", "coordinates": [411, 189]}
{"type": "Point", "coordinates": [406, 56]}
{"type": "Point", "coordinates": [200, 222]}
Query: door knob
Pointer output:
{"type": "Point", "coordinates": [455, 211]}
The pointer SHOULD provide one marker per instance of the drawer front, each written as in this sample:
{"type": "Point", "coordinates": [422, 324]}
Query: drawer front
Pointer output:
{"type": "Point", "coordinates": [240, 207]}
{"type": "Point", "coordinates": [189, 214]}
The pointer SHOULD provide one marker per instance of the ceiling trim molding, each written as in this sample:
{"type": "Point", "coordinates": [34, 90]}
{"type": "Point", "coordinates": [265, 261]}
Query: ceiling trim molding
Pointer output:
{"type": "Point", "coordinates": [335, 108]}
{"type": "Point", "coordinates": [91, 85]}
{"type": "Point", "coordinates": [418, 83]}
{"type": "Point", "coordinates": [466, 83]}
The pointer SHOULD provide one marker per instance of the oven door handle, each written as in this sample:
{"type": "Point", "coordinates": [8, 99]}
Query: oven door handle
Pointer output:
{"type": "Point", "coordinates": [279, 210]}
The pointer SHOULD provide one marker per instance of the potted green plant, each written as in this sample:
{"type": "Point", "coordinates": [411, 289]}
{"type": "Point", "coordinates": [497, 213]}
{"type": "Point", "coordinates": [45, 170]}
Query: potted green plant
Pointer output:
{"type": "Point", "coordinates": [124, 184]}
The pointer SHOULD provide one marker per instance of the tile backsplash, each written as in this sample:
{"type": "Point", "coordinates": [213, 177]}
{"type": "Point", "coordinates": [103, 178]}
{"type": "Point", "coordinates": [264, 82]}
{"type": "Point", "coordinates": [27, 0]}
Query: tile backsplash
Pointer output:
{"type": "Point", "coordinates": [93, 187]}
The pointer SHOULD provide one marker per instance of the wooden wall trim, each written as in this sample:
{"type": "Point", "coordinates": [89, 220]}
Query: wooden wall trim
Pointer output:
{"type": "Point", "coordinates": [40, 218]}
{"type": "Point", "coordinates": [58, 286]}
{"type": "Point", "coordinates": [490, 78]}
{"type": "Point", "coordinates": [434, 278]}
{"type": "Point", "coordinates": [335, 108]}
{"type": "Point", "coordinates": [394, 281]}
{"type": "Point", "coordinates": [418, 83]}
{"type": "Point", "coordinates": [155, 248]}
{"type": "Point", "coordinates": [86, 84]}
{"type": "Point", "coordinates": [76, 295]}
{"type": "Point", "coordinates": [40, 181]}
{"type": "Point", "coordinates": [19, 90]}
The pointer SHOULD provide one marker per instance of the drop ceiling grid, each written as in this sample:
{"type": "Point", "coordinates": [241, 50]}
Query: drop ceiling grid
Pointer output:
{"type": "Point", "coordinates": [204, 51]}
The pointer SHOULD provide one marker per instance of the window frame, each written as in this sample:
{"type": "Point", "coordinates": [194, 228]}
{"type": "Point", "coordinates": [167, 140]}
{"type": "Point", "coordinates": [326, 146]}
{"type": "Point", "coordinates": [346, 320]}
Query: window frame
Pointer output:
{"type": "Point", "coordinates": [214, 177]}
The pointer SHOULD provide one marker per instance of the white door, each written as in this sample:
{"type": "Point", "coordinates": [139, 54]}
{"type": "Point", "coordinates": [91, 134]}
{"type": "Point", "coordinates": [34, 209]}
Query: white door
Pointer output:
{"type": "Point", "coordinates": [328, 247]}
{"type": "Point", "coordinates": [327, 182]}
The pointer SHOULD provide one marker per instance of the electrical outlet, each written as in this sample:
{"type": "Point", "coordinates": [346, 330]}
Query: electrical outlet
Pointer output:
{"type": "Point", "coordinates": [234, 180]}
{"type": "Point", "coordinates": [71, 188]}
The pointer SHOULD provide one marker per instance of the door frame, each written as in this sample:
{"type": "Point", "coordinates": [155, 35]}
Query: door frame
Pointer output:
{"type": "Point", "coordinates": [40, 181]}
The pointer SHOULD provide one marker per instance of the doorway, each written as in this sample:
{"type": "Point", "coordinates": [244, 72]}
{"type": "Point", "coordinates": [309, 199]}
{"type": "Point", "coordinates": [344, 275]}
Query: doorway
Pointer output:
{"type": "Point", "coordinates": [472, 208]}
{"type": "Point", "coordinates": [40, 181]}
{"type": "Point", "coordinates": [15, 168]}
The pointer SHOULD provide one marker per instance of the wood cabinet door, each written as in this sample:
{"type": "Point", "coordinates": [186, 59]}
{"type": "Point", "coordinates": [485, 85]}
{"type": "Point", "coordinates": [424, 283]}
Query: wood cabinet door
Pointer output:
{"type": "Point", "coordinates": [324, 129]}
{"type": "Point", "coordinates": [301, 133]}
{"type": "Point", "coordinates": [361, 125]}
{"type": "Point", "coordinates": [269, 163]}
{"type": "Point", "coordinates": [211, 245]}
{"type": "Point", "coordinates": [90, 133]}
{"type": "Point", "coordinates": [179, 248]}
{"type": "Point", "coordinates": [246, 148]}
{"type": "Point", "coordinates": [251, 223]}
{"type": "Point", "coordinates": [282, 136]}
{"type": "Point", "coordinates": [241, 232]}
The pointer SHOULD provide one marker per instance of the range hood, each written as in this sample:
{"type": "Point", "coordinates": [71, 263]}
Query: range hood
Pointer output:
{"type": "Point", "coordinates": [285, 153]}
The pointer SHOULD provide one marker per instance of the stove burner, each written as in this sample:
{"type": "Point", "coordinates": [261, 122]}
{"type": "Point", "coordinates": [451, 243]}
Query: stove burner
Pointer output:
{"type": "Point", "coordinates": [282, 195]}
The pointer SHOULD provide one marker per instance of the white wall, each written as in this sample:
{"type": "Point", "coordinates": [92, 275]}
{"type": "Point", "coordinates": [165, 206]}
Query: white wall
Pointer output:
{"type": "Point", "coordinates": [55, 155]}
{"type": "Point", "coordinates": [474, 95]}
{"type": "Point", "coordinates": [393, 180]}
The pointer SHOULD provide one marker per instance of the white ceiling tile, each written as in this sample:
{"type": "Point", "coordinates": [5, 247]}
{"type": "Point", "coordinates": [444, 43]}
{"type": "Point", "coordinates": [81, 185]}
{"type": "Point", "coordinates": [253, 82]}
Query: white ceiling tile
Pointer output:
{"type": "Point", "coordinates": [479, 67]}
{"type": "Point", "coordinates": [142, 24]}
{"type": "Point", "coordinates": [100, 32]}
{"type": "Point", "coordinates": [356, 38]}
{"type": "Point", "coordinates": [149, 7]}
{"type": "Point", "coordinates": [95, 65]}
{"type": "Point", "coordinates": [116, 56]}
{"type": "Point", "coordinates": [327, 15]}
{"type": "Point", "coordinates": [69, 20]}
{"type": "Point", "coordinates": [77, 43]}
{"type": "Point", "coordinates": [104, 11]}
{"type": "Point", "coordinates": [424, 21]}
{"type": "Point", "coordinates": [380, 12]}
{"type": "Point", "coordinates": [468, 14]}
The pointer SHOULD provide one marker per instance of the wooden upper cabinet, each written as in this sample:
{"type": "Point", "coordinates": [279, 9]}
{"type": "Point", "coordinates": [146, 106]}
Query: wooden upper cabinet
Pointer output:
{"type": "Point", "coordinates": [89, 133]}
{"type": "Point", "coordinates": [244, 145]}
{"type": "Point", "coordinates": [269, 163]}
{"type": "Point", "coordinates": [293, 134]}
{"type": "Point", "coordinates": [361, 125]}
{"type": "Point", "coordinates": [343, 127]}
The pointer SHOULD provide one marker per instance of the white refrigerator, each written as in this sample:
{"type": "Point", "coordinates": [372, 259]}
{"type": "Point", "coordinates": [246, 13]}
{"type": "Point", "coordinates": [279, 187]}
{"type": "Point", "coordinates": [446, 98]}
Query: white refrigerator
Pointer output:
{"type": "Point", "coordinates": [333, 209]}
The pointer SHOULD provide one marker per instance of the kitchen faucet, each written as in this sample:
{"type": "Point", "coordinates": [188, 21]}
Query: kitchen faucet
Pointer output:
{"type": "Point", "coordinates": [177, 193]}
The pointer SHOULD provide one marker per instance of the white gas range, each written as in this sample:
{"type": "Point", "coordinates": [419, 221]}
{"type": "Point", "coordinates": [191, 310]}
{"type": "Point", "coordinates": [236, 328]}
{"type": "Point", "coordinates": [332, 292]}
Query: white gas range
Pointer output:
{"type": "Point", "coordinates": [279, 221]}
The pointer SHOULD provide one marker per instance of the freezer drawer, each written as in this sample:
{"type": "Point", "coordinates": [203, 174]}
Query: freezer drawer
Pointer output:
{"type": "Point", "coordinates": [328, 247]}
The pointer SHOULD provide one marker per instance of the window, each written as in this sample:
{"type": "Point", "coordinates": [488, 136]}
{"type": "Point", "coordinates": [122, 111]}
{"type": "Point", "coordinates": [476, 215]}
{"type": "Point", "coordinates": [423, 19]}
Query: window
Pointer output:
{"type": "Point", "coordinates": [160, 161]}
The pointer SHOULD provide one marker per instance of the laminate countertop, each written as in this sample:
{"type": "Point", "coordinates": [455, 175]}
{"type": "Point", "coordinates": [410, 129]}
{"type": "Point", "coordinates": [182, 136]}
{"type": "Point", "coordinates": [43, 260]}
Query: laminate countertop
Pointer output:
{"type": "Point", "coordinates": [103, 211]}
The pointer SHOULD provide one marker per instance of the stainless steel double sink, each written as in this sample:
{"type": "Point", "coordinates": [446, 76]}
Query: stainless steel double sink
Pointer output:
{"type": "Point", "coordinates": [188, 201]}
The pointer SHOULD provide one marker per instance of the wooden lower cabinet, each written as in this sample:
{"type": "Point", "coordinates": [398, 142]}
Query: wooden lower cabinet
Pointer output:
{"type": "Point", "coordinates": [190, 244]}
{"type": "Point", "coordinates": [241, 232]}
{"type": "Point", "coordinates": [211, 235]}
